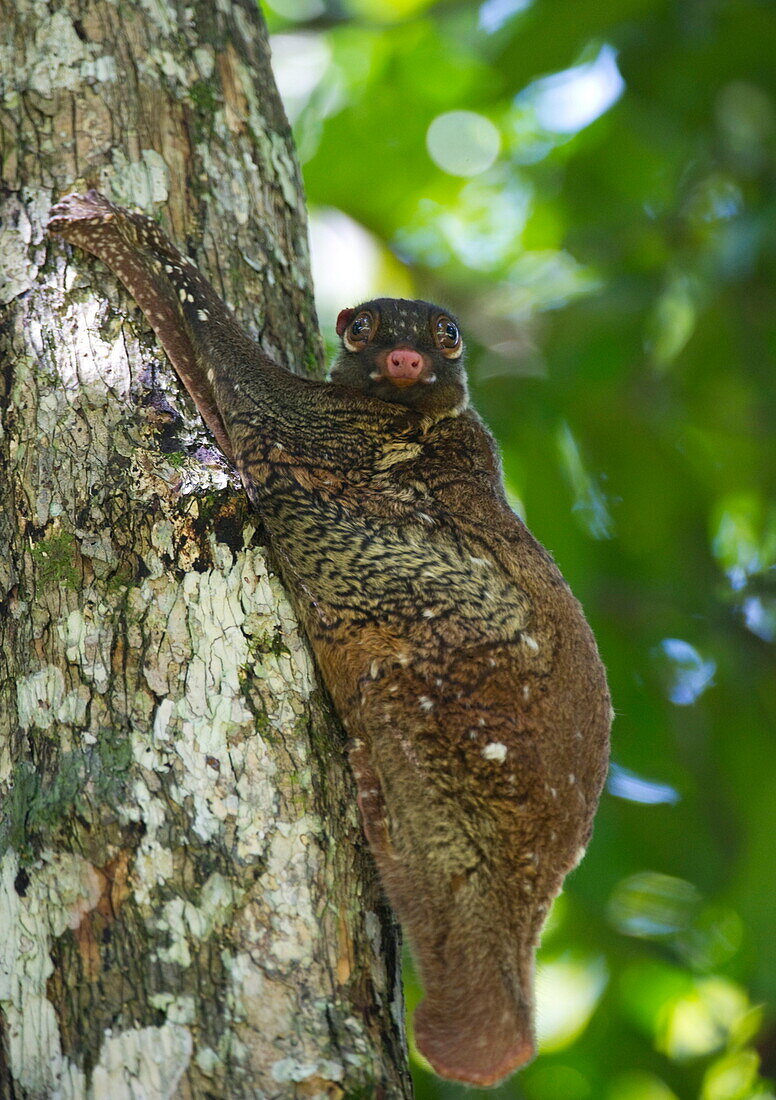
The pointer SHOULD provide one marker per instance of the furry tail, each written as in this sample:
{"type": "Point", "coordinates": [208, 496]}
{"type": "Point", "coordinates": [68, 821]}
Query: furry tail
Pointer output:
{"type": "Point", "coordinates": [475, 1024]}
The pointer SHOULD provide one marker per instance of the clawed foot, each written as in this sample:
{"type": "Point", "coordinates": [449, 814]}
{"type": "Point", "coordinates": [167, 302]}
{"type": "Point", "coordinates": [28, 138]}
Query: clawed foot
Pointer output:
{"type": "Point", "coordinates": [97, 225]}
{"type": "Point", "coordinates": [78, 217]}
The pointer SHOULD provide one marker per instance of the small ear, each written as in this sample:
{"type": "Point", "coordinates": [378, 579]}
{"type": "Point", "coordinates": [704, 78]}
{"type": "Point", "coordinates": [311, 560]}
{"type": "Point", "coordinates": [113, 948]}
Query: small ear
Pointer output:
{"type": "Point", "coordinates": [344, 319]}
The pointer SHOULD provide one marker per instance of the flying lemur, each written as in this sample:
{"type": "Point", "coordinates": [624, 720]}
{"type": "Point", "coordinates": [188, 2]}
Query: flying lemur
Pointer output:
{"type": "Point", "coordinates": [460, 664]}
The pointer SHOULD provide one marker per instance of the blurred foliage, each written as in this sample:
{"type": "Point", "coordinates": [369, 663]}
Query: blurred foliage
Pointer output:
{"type": "Point", "coordinates": [603, 221]}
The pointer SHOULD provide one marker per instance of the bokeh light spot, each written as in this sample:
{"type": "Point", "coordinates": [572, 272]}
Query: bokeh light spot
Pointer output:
{"type": "Point", "coordinates": [495, 13]}
{"type": "Point", "coordinates": [567, 990]}
{"type": "Point", "coordinates": [702, 1020]}
{"type": "Point", "coordinates": [715, 935]}
{"type": "Point", "coordinates": [623, 783]}
{"type": "Point", "coordinates": [299, 62]}
{"type": "Point", "coordinates": [570, 100]}
{"type": "Point", "coordinates": [589, 502]}
{"type": "Point", "coordinates": [688, 674]}
{"type": "Point", "coordinates": [672, 322]}
{"type": "Point", "coordinates": [650, 904]}
{"type": "Point", "coordinates": [349, 266]}
{"type": "Point", "coordinates": [463, 143]}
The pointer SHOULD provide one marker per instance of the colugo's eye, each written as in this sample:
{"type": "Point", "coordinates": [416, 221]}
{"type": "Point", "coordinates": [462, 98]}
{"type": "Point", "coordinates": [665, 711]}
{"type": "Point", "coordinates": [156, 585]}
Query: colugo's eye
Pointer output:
{"type": "Point", "coordinates": [361, 327]}
{"type": "Point", "coordinates": [447, 335]}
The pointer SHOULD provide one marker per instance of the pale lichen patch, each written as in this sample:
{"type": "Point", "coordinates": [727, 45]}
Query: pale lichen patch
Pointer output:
{"type": "Point", "coordinates": [254, 804]}
{"type": "Point", "coordinates": [184, 921]}
{"type": "Point", "coordinates": [88, 638]}
{"type": "Point", "coordinates": [178, 1010]}
{"type": "Point", "coordinates": [175, 70]}
{"type": "Point", "coordinates": [39, 697]}
{"type": "Point", "coordinates": [147, 1061]}
{"type": "Point", "coordinates": [98, 546]}
{"type": "Point", "coordinates": [91, 361]}
{"type": "Point", "coordinates": [102, 69]}
{"type": "Point", "coordinates": [204, 59]}
{"type": "Point", "coordinates": [141, 182]}
{"type": "Point", "coordinates": [60, 54]}
{"type": "Point", "coordinates": [61, 889]}
{"type": "Point", "coordinates": [164, 16]}
{"type": "Point", "coordinates": [197, 647]}
{"type": "Point", "coordinates": [153, 862]}
{"type": "Point", "coordinates": [294, 1069]}
{"type": "Point", "coordinates": [162, 537]}
{"type": "Point", "coordinates": [18, 271]}
{"type": "Point", "coordinates": [290, 869]}
{"type": "Point", "coordinates": [207, 1059]}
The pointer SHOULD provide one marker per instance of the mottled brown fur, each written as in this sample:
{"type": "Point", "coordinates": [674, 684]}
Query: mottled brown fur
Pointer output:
{"type": "Point", "coordinates": [459, 661]}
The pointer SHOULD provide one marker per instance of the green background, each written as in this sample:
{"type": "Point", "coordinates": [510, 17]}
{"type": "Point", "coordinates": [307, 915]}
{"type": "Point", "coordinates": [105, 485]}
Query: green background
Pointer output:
{"type": "Point", "coordinates": [614, 278]}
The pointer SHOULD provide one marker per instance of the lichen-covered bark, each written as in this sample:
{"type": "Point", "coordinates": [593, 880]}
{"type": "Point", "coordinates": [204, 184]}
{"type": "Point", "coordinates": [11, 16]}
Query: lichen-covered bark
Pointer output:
{"type": "Point", "coordinates": [186, 908]}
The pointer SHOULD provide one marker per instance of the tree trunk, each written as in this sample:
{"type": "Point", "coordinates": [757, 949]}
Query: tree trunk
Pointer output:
{"type": "Point", "coordinates": [186, 906]}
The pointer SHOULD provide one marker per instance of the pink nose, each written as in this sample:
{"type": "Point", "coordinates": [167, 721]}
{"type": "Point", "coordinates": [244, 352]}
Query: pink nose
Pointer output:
{"type": "Point", "coordinates": [404, 363]}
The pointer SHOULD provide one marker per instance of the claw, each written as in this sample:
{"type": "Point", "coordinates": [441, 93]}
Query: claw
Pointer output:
{"type": "Point", "coordinates": [80, 210]}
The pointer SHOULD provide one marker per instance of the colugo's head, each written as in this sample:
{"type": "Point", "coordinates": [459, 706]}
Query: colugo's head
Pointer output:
{"type": "Point", "coordinates": [408, 352]}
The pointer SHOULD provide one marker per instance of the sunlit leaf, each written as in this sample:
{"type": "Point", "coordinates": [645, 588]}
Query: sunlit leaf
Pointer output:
{"type": "Point", "coordinates": [636, 1085]}
{"type": "Point", "coordinates": [732, 1077]}
{"type": "Point", "coordinates": [701, 1020]}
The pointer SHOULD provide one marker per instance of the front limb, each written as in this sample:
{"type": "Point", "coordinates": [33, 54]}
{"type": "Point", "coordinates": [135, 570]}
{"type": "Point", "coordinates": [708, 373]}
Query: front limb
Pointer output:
{"type": "Point", "coordinates": [138, 253]}
{"type": "Point", "coordinates": [254, 408]}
